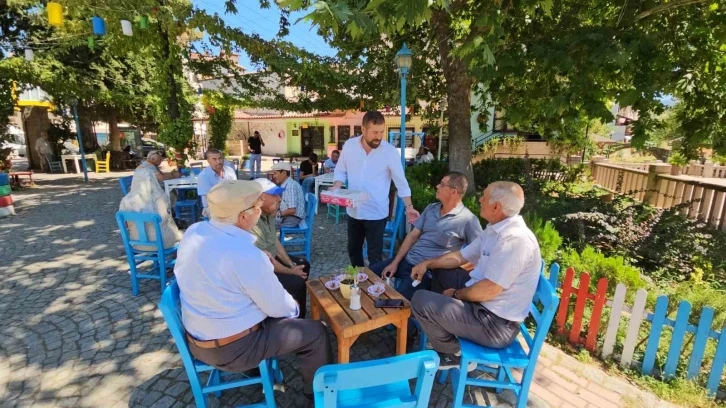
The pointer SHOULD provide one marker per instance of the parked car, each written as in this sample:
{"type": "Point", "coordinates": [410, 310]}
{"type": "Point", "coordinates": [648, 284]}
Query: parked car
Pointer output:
{"type": "Point", "coordinates": [17, 149]}
{"type": "Point", "coordinates": [147, 145]}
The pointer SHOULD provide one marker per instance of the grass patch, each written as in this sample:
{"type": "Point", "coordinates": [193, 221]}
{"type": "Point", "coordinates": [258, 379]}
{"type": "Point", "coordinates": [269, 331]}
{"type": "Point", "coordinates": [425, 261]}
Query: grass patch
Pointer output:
{"type": "Point", "coordinates": [678, 390]}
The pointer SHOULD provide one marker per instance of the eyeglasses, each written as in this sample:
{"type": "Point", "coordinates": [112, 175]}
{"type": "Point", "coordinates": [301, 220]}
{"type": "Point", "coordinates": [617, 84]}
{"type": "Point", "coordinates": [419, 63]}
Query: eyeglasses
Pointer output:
{"type": "Point", "coordinates": [441, 184]}
{"type": "Point", "coordinates": [257, 205]}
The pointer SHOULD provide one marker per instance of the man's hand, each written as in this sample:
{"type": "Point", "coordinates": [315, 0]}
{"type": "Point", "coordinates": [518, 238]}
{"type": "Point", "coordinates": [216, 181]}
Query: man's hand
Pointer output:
{"type": "Point", "coordinates": [298, 271]}
{"type": "Point", "coordinates": [418, 272]}
{"type": "Point", "coordinates": [412, 215]}
{"type": "Point", "coordinates": [449, 292]}
{"type": "Point", "coordinates": [389, 270]}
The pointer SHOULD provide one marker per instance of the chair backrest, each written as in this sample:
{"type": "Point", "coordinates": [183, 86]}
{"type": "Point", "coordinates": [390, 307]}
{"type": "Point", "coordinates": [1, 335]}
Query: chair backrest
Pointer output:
{"type": "Point", "coordinates": [125, 184]}
{"type": "Point", "coordinates": [542, 311]}
{"type": "Point", "coordinates": [311, 204]}
{"type": "Point", "coordinates": [108, 157]}
{"type": "Point", "coordinates": [170, 307]}
{"type": "Point", "coordinates": [140, 219]}
{"type": "Point", "coordinates": [395, 223]}
{"type": "Point", "coordinates": [197, 170]}
{"type": "Point", "coordinates": [196, 165]}
{"type": "Point", "coordinates": [388, 377]}
{"type": "Point", "coordinates": [185, 171]}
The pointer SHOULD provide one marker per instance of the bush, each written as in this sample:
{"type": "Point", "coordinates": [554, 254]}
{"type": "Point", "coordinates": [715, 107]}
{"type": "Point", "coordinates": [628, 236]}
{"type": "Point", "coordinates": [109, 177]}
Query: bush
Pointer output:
{"type": "Point", "coordinates": [547, 236]}
{"type": "Point", "coordinates": [615, 269]}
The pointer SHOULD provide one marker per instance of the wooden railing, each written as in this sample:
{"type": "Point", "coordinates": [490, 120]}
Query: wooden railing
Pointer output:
{"type": "Point", "coordinates": [704, 201]}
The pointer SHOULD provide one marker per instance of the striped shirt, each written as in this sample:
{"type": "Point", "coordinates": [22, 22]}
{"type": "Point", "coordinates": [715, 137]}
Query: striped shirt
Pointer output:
{"type": "Point", "coordinates": [293, 197]}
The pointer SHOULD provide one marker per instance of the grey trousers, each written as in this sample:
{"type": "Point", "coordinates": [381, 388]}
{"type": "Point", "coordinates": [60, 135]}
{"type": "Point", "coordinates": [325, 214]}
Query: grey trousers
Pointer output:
{"type": "Point", "coordinates": [290, 221]}
{"type": "Point", "coordinates": [308, 339]}
{"type": "Point", "coordinates": [443, 319]}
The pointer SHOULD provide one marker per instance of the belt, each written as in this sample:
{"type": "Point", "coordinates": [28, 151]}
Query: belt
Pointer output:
{"type": "Point", "coordinates": [209, 344]}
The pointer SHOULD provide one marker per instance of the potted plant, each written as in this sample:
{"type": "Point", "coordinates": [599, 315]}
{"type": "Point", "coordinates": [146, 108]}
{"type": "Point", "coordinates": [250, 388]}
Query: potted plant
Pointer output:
{"type": "Point", "coordinates": [245, 165]}
{"type": "Point", "coordinates": [350, 273]}
{"type": "Point", "coordinates": [677, 161]}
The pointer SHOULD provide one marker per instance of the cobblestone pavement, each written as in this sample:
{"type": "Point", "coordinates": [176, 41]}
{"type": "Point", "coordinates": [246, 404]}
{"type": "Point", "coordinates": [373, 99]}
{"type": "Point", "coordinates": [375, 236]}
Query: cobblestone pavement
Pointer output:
{"type": "Point", "coordinates": [72, 334]}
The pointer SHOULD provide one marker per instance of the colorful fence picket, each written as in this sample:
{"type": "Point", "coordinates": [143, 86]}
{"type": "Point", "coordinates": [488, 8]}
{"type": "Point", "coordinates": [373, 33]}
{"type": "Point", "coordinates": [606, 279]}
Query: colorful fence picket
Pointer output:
{"type": "Point", "coordinates": [579, 297]}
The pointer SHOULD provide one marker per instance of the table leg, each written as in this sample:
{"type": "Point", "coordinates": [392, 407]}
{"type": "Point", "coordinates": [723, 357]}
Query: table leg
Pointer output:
{"type": "Point", "coordinates": [314, 309]}
{"type": "Point", "coordinates": [63, 163]}
{"type": "Point", "coordinates": [401, 336]}
{"type": "Point", "coordinates": [317, 188]}
{"type": "Point", "coordinates": [78, 165]}
{"type": "Point", "coordinates": [344, 346]}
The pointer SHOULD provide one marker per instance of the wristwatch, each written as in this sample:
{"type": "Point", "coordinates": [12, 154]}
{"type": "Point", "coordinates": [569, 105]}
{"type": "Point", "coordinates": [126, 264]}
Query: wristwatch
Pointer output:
{"type": "Point", "coordinates": [292, 264]}
{"type": "Point", "coordinates": [455, 295]}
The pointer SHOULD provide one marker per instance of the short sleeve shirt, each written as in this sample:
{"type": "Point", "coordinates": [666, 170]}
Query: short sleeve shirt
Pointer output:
{"type": "Point", "coordinates": [265, 233]}
{"type": "Point", "coordinates": [306, 167]}
{"type": "Point", "coordinates": [254, 145]}
{"type": "Point", "coordinates": [208, 178]}
{"type": "Point", "coordinates": [442, 234]}
{"type": "Point", "coordinates": [293, 197]}
{"type": "Point", "coordinates": [507, 253]}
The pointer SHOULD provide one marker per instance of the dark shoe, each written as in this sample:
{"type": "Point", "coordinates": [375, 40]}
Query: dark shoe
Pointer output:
{"type": "Point", "coordinates": [449, 361]}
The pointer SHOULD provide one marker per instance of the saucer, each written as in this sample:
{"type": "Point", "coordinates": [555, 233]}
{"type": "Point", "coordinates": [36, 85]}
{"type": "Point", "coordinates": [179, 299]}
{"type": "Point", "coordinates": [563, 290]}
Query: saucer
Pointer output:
{"type": "Point", "coordinates": [372, 291]}
{"type": "Point", "coordinates": [332, 284]}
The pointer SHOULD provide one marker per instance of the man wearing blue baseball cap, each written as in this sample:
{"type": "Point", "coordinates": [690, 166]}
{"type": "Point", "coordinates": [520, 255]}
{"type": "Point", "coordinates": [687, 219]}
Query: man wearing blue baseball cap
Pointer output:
{"type": "Point", "coordinates": [292, 272]}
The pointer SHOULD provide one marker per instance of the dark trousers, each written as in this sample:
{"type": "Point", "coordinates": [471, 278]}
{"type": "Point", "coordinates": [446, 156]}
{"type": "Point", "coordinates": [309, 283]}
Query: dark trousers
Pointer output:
{"type": "Point", "coordinates": [443, 319]}
{"type": "Point", "coordinates": [295, 285]}
{"type": "Point", "coordinates": [404, 283]}
{"type": "Point", "coordinates": [308, 339]}
{"type": "Point", "coordinates": [369, 231]}
{"type": "Point", "coordinates": [443, 279]}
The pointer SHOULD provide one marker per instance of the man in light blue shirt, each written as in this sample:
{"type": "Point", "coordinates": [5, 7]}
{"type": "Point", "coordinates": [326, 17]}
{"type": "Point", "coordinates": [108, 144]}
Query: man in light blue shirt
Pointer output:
{"type": "Point", "coordinates": [213, 174]}
{"type": "Point", "coordinates": [329, 165]}
{"type": "Point", "coordinates": [234, 309]}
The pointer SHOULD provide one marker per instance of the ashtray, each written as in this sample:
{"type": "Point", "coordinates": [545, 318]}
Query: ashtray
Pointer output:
{"type": "Point", "coordinates": [332, 284]}
{"type": "Point", "coordinates": [376, 290]}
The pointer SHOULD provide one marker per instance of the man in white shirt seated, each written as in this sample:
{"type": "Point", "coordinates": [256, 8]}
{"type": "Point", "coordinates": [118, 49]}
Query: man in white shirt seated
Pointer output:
{"type": "Point", "coordinates": [235, 311]}
{"type": "Point", "coordinates": [492, 304]}
{"type": "Point", "coordinates": [151, 164]}
{"type": "Point", "coordinates": [424, 156]}
{"type": "Point", "coordinates": [292, 205]}
{"type": "Point", "coordinates": [329, 165]}
{"type": "Point", "coordinates": [213, 174]}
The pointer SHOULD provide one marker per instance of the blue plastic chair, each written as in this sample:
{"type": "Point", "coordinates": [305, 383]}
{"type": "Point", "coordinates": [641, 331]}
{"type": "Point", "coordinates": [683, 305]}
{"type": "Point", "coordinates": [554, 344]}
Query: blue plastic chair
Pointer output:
{"type": "Point", "coordinates": [302, 236]}
{"type": "Point", "coordinates": [187, 210]}
{"type": "Point", "coordinates": [390, 232]}
{"type": "Point", "coordinates": [377, 383]}
{"type": "Point", "coordinates": [336, 210]}
{"type": "Point", "coordinates": [161, 259]}
{"type": "Point", "coordinates": [500, 362]}
{"type": "Point", "coordinates": [125, 184]}
{"type": "Point", "coordinates": [269, 370]}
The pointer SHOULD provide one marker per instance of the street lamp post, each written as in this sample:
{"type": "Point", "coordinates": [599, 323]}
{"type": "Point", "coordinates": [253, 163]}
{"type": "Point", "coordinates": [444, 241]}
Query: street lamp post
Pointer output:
{"type": "Point", "coordinates": [403, 62]}
{"type": "Point", "coordinates": [74, 105]}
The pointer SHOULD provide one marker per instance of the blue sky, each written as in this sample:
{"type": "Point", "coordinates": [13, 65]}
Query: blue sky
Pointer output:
{"type": "Point", "coordinates": [265, 22]}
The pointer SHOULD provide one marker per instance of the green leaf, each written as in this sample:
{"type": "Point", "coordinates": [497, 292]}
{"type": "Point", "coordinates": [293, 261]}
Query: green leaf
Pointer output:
{"type": "Point", "coordinates": [713, 7]}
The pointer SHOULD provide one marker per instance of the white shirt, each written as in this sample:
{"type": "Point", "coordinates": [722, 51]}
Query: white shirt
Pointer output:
{"type": "Point", "coordinates": [371, 173]}
{"type": "Point", "coordinates": [226, 283]}
{"type": "Point", "coordinates": [208, 178]}
{"type": "Point", "coordinates": [507, 253]}
{"type": "Point", "coordinates": [425, 158]}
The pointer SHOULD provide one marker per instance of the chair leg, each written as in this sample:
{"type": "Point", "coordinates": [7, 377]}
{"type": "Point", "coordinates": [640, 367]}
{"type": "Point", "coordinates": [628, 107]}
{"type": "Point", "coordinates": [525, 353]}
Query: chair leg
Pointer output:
{"type": "Point", "coordinates": [459, 382]}
{"type": "Point", "coordinates": [134, 279]}
{"type": "Point", "coordinates": [162, 273]}
{"type": "Point", "coordinates": [214, 379]}
{"type": "Point", "coordinates": [523, 393]}
{"type": "Point", "coordinates": [276, 370]}
{"type": "Point", "coordinates": [267, 379]}
{"type": "Point", "coordinates": [500, 377]}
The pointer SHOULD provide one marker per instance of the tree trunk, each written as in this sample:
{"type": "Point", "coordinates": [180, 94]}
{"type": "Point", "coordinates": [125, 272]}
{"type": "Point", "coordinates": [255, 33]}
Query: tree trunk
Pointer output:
{"type": "Point", "coordinates": [113, 133]}
{"type": "Point", "coordinates": [90, 143]}
{"type": "Point", "coordinates": [170, 79]}
{"type": "Point", "coordinates": [458, 96]}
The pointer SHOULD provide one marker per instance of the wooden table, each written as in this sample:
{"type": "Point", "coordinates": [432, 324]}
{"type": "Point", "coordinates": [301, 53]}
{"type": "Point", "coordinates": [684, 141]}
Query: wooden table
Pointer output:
{"type": "Point", "coordinates": [349, 324]}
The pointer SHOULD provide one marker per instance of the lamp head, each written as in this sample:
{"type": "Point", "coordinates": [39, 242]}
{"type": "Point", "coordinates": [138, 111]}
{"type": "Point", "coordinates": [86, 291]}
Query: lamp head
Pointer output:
{"type": "Point", "coordinates": [404, 58]}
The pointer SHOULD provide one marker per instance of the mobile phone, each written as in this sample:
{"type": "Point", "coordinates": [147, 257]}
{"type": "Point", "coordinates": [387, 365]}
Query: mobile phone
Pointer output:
{"type": "Point", "coordinates": [389, 303]}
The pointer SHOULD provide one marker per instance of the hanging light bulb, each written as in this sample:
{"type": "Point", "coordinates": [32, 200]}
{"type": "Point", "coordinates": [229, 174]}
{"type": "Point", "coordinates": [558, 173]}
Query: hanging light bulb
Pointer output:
{"type": "Point", "coordinates": [99, 26]}
{"type": "Point", "coordinates": [144, 22]}
{"type": "Point", "coordinates": [29, 54]}
{"type": "Point", "coordinates": [91, 42]}
{"type": "Point", "coordinates": [126, 28]}
{"type": "Point", "coordinates": [55, 14]}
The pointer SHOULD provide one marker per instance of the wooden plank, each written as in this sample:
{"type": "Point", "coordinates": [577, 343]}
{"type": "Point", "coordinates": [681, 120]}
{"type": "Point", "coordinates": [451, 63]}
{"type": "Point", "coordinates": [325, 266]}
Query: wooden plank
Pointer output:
{"type": "Point", "coordinates": [687, 196]}
{"type": "Point", "coordinates": [633, 328]}
{"type": "Point", "coordinates": [661, 309]}
{"type": "Point", "coordinates": [614, 323]}
{"type": "Point", "coordinates": [600, 298]}
{"type": "Point", "coordinates": [717, 210]}
{"type": "Point", "coordinates": [699, 345]}
{"type": "Point", "coordinates": [338, 319]}
{"type": "Point", "coordinates": [679, 333]}
{"type": "Point", "coordinates": [705, 210]}
{"type": "Point", "coordinates": [582, 294]}
{"type": "Point", "coordinates": [719, 359]}
{"type": "Point", "coordinates": [565, 300]}
{"type": "Point", "coordinates": [357, 316]}
{"type": "Point", "coordinates": [392, 294]}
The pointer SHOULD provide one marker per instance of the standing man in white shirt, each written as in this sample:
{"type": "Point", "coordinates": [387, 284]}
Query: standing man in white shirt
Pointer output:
{"type": "Point", "coordinates": [213, 174]}
{"type": "Point", "coordinates": [489, 308]}
{"type": "Point", "coordinates": [235, 311]}
{"type": "Point", "coordinates": [369, 163]}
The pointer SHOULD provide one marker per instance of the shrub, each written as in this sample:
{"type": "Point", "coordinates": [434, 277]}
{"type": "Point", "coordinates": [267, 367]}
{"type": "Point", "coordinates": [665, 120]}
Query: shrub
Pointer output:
{"type": "Point", "coordinates": [547, 236]}
{"type": "Point", "coordinates": [428, 174]}
{"type": "Point", "coordinates": [615, 269]}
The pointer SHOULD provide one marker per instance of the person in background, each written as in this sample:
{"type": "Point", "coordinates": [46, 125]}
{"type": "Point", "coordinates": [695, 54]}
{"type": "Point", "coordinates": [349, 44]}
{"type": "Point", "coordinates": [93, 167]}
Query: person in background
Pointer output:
{"type": "Point", "coordinates": [292, 272]}
{"type": "Point", "coordinates": [255, 143]}
{"type": "Point", "coordinates": [234, 310]}
{"type": "Point", "coordinates": [369, 163]}
{"type": "Point", "coordinates": [443, 227]}
{"type": "Point", "coordinates": [146, 196]}
{"type": "Point", "coordinates": [152, 163]}
{"type": "Point", "coordinates": [213, 174]}
{"type": "Point", "coordinates": [424, 156]}
{"type": "Point", "coordinates": [330, 164]}
{"type": "Point", "coordinates": [308, 171]}
{"type": "Point", "coordinates": [292, 206]}
{"type": "Point", "coordinates": [489, 307]}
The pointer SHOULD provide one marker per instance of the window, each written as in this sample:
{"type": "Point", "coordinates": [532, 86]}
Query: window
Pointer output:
{"type": "Point", "coordinates": [331, 138]}
{"type": "Point", "coordinates": [409, 136]}
{"type": "Point", "coordinates": [357, 131]}
{"type": "Point", "coordinates": [500, 122]}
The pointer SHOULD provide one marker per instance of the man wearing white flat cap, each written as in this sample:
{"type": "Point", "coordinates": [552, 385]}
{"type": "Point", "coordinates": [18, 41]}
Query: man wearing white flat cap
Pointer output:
{"type": "Point", "coordinates": [292, 206]}
{"type": "Point", "coordinates": [235, 311]}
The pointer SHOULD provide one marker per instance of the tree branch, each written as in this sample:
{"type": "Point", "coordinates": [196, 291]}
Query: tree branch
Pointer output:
{"type": "Point", "coordinates": [667, 6]}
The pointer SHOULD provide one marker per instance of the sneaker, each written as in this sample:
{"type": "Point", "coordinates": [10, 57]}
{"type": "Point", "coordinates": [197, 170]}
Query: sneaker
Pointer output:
{"type": "Point", "coordinates": [449, 361]}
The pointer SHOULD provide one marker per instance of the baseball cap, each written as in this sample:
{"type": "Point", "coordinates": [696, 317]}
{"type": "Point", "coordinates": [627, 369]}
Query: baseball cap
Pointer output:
{"type": "Point", "coordinates": [231, 197]}
{"type": "Point", "coordinates": [282, 166]}
{"type": "Point", "coordinates": [269, 187]}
